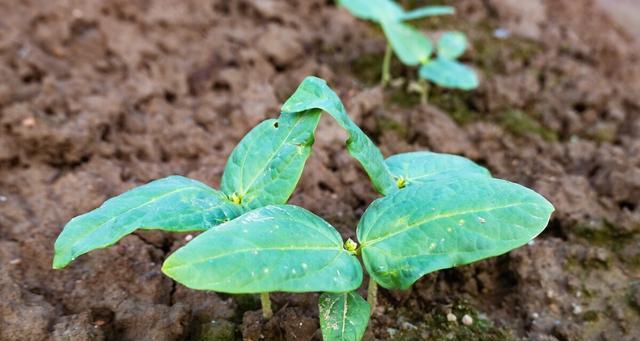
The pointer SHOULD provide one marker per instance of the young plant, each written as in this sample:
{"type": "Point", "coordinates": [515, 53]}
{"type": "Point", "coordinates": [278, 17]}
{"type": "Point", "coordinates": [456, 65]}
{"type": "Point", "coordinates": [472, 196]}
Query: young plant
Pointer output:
{"type": "Point", "coordinates": [413, 48]}
{"type": "Point", "coordinates": [438, 211]}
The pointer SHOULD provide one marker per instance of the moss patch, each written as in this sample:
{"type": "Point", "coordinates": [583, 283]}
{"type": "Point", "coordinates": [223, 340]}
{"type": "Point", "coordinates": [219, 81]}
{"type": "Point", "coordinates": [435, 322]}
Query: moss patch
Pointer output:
{"type": "Point", "coordinates": [435, 326]}
{"type": "Point", "coordinates": [520, 123]}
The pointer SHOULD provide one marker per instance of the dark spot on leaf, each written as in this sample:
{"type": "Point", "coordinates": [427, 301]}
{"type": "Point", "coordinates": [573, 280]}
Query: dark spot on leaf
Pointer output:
{"type": "Point", "coordinates": [275, 124]}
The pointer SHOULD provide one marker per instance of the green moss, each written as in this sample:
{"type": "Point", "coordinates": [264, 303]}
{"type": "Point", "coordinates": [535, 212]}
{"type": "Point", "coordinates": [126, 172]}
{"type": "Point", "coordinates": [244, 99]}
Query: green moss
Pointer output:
{"type": "Point", "coordinates": [520, 124]}
{"type": "Point", "coordinates": [590, 316]}
{"type": "Point", "coordinates": [455, 103]}
{"type": "Point", "coordinates": [216, 331]}
{"type": "Point", "coordinates": [368, 68]}
{"type": "Point", "coordinates": [601, 233]}
{"type": "Point", "coordinates": [385, 123]}
{"type": "Point", "coordinates": [403, 98]}
{"type": "Point", "coordinates": [435, 326]}
{"type": "Point", "coordinates": [633, 296]}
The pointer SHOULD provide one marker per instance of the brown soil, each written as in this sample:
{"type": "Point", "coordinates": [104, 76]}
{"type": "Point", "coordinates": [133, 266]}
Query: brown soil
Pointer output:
{"type": "Point", "coordinates": [97, 97]}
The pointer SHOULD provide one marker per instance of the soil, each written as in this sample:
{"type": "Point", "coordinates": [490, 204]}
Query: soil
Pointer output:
{"type": "Point", "coordinates": [98, 97]}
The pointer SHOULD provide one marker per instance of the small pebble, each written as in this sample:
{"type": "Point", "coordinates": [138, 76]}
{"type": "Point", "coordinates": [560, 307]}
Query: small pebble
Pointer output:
{"type": "Point", "coordinates": [77, 13]}
{"type": "Point", "coordinates": [467, 320]}
{"type": "Point", "coordinates": [15, 261]}
{"type": "Point", "coordinates": [577, 309]}
{"type": "Point", "coordinates": [535, 315]}
{"type": "Point", "coordinates": [501, 33]}
{"type": "Point", "coordinates": [451, 317]}
{"type": "Point", "coordinates": [29, 122]}
{"type": "Point", "coordinates": [3, 198]}
{"type": "Point", "coordinates": [188, 237]}
{"type": "Point", "coordinates": [100, 322]}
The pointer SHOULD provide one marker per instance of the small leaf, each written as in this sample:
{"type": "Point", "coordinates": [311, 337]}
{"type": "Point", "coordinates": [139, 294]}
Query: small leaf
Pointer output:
{"type": "Point", "coordinates": [174, 204]}
{"type": "Point", "coordinates": [411, 46]}
{"type": "Point", "coordinates": [446, 222]}
{"type": "Point", "coordinates": [375, 10]}
{"type": "Point", "coordinates": [343, 316]}
{"type": "Point", "coordinates": [449, 74]}
{"type": "Point", "coordinates": [314, 93]}
{"type": "Point", "coordinates": [273, 248]}
{"type": "Point", "coordinates": [428, 11]}
{"type": "Point", "coordinates": [266, 165]}
{"type": "Point", "coordinates": [416, 168]}
{"type": "Point", "coordinates": [451, 45]}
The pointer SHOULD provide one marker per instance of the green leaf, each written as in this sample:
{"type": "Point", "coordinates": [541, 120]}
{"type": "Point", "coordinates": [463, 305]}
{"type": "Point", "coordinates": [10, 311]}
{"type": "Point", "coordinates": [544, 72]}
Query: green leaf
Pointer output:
{"type": "Point", "coordinates": [411, 46]}
{"type": "Point", "coordinates": [416, 168]}
{"type": "Point", "coordinates": [375, 10]}
{"type": "Point", "coordinates": [174, 204]}
{"type": "Point", "coordinates": [451, 45]}
{"type": "Point", "coordinates": [273, 248]}
{"type": "Point", "coordinates": [314, 93]}
{"type": "Point", "coordinates": [449, 74]}
{"type": "Point", "coordinates": [428, 11]}
{"type": "Point", "coordinates": [446, 222]}
{"type": "Point", "coordinates": [266, 165]}
{"type": "Point", "coordinates": [343, 316]}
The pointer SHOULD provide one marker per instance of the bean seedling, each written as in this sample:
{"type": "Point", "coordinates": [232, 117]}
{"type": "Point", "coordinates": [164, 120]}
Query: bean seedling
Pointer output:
{"type": "Point", "coordinates": [437, 211]}
{"type": "Point", "coordinates": [414, 48]}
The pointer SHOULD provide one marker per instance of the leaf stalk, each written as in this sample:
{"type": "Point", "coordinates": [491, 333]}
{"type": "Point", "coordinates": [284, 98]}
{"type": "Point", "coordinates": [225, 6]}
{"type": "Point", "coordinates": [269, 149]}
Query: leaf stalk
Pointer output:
{"type": "Point", "coordinates": [386, 65]}
{"type": "Point", "coordinates": [372, 294]}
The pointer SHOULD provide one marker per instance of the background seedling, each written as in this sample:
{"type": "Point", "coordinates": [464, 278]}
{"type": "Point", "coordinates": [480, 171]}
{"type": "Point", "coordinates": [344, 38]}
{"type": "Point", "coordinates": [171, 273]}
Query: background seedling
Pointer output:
{"type": "Point", "coordinates": [438, 211]}
{"type": "Point", "coordinates": [414, 48]}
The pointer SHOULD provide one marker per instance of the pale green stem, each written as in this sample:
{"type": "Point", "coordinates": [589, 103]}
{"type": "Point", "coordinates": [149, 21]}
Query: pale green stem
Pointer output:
{"type": "Point", "coordinates": [372, 294]}
{"type": "Point", "coordinates": [386, 65]}
{"type": "Point", "coordinates": [424, 96]}
{"type": "Point", "coordinates": [266, 305]}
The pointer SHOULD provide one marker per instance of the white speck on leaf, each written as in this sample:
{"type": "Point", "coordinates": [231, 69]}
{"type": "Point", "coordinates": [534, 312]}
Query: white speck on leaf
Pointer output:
{"type": "Point", "coordinates": [188, 237]}
{"type": "Point", "coordinates": [482, 220]}
{"type": "Point", "coordinates": [265, 270]}
{"type": "Point", "coordinates": [304, 265]}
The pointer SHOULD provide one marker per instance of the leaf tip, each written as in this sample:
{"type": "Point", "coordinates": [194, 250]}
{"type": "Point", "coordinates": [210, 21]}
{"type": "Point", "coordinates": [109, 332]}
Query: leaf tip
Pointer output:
{"type": "Point", "coordinates": [60, 261]}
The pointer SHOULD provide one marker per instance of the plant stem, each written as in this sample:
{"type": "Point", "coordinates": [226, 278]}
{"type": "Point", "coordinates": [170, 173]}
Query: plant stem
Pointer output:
{"type": "Point", "coordinates": [372, 294]}
{"type": "Point", "coordinates": [424, 96]}
{"type": "Point", "coordinates": [266, 305]}
{"type": "Point", "coordinates": [386, 64]}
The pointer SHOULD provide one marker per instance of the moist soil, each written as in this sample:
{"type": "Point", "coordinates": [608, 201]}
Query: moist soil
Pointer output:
{"type": "Point", "coordinates": [98, 97]}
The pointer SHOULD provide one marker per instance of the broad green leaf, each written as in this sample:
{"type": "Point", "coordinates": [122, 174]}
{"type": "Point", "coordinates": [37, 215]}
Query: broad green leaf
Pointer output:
{"type": "Point", "coordinates": [451, 45]}
{"type": "Point", "coordinates": [428, 11]}
{"type": "Point", "coordinates": [375, 10]}
{"type": "Point", "coordinates": [343, 316]}
{"type": "Point", "coordinates": [418, 167]}
{"type": "Point", "coordinates": [446, 222]}
{"type": "Point", "coordinates": [449, 74]}
{"type": "Point", "coordinates": [266, 165]}
{"type": "Point", "coordinates": [273, 248]}
{"type": "Point", "coordinates": [174, 204]}
{"type": "Point", "coordinates": [314, 93]}
{"type": "Point", "coordinates": [411, 46]}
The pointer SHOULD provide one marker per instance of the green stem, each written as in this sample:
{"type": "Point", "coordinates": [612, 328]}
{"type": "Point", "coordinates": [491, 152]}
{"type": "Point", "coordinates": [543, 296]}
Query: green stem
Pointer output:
{"type": "Point", "coordinates": [372, 294]}
{"type": "Point", "coordinates": [266, 305]}
{"type": "Point", "coordinates": [424, 96]}
{"type": "Point", "coordinates": [386, 65]}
